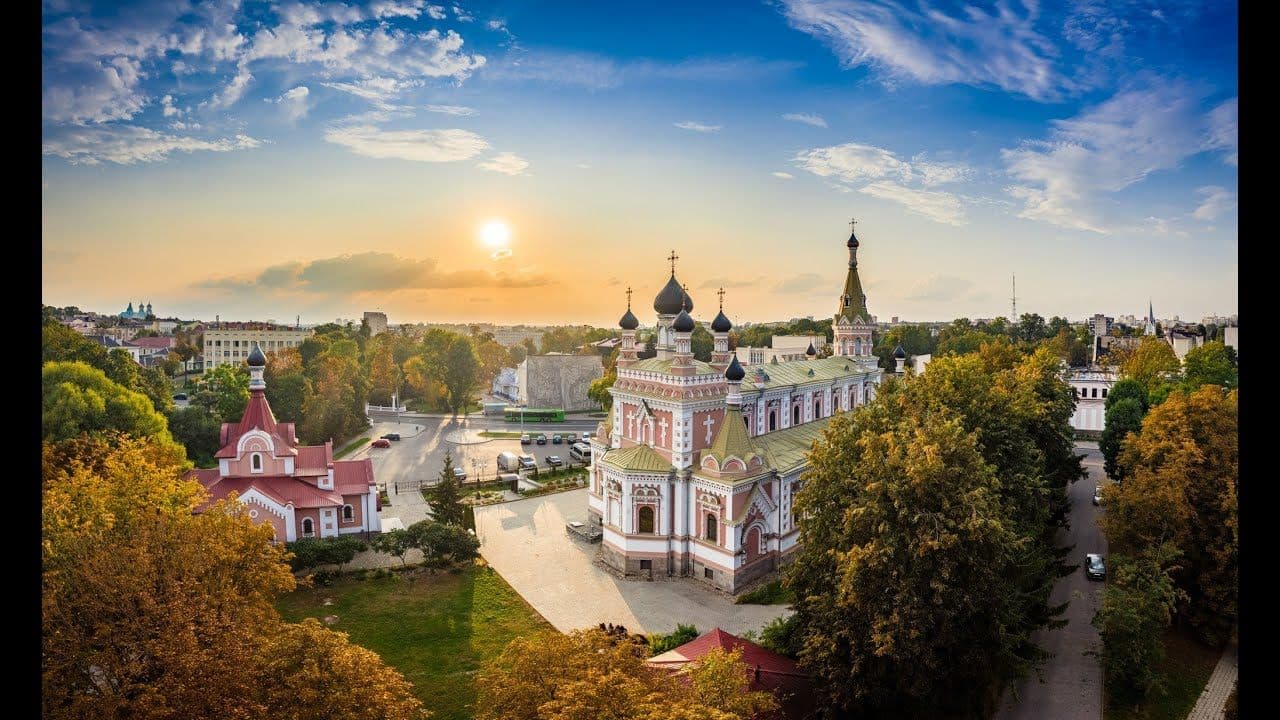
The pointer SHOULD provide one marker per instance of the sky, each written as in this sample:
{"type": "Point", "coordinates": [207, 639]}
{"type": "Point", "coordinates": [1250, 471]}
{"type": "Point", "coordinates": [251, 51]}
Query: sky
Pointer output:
{"type": "Point", "coordinates": [527, 162]}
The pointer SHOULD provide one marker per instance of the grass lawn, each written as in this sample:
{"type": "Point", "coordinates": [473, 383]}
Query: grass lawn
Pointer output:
{"type": "Point", "coordinates": [437, 629]}
{"type": "Point", "coordinates": [1187, 665]}
{"type": "Point", "coordinates": [499, 434]}
{"type": "Point", "coordinates": [770, 593]}
{"type": "Point", "coordinates": [351, 446]}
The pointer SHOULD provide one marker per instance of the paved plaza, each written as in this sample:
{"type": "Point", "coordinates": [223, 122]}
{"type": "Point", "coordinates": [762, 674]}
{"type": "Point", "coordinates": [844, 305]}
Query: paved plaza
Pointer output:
{"type": "Point", "coordinates": [526, 542]}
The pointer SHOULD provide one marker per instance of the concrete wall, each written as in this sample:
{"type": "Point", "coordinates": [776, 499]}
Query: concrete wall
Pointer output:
{"type": "Point", "coordinates": [559, 381]}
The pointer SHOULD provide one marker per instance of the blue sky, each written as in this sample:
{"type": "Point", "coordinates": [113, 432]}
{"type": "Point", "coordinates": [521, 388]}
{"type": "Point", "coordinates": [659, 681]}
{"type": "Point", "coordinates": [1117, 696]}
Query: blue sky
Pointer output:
{"type": "Point", "coordinates": [262, 160]}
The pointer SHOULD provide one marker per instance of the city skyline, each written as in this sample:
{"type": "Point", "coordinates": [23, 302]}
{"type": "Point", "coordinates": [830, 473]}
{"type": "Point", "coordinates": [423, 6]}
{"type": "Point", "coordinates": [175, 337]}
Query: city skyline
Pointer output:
{"type": "Point", "coordinates": [496, 162]}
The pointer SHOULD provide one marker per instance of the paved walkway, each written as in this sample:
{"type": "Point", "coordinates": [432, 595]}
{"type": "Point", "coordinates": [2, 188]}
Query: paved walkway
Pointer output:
{"type": "Point", "coordinates": [526, 542]}
{"type": "Point", "coordinates": [1218, 689]}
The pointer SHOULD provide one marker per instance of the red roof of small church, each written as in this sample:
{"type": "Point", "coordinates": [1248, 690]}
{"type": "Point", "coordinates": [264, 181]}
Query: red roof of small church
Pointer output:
{"type": "Point", "coordinates": [257, 415]}
{"type": "Point", "coordinates": [770, 670]}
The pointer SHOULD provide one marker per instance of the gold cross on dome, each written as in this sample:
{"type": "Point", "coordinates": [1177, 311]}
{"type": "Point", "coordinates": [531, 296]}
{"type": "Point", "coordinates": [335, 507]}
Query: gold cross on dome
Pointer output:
{"type": "Point", "coordinates": [673, 258]}
{"type": "Point", "coordinates": [721, 294]}
{"type": "Point", "coordinates": [628, 297]}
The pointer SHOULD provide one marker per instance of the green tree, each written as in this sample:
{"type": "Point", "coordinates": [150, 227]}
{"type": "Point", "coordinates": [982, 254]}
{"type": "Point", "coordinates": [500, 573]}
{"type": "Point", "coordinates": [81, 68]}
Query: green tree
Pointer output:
{"type": "Point", "coordinates": [443, 543]}
{"type": "Point", "coordinates": [701, 343]}
{"type": "Point", "coordinates": [1150, 363]}
{"type": "Point", "coordinates": [334, 409]}
{"type": "Point", "coordinates": [121, 369]}
{"type": "Point", "coordinates": [1209, 364]}
{"type": "Point", "coordinates": [446, 498]}
{"type": "Point", "coordinates": [396, 543]}
{"type": "Point", "coordinates": [60, 343]}
{"type": "Point", "coordinates": [385, 374]}
{"type": "Point", "coordinates": [1128, 389]}
{"type": "Point", "coordinates": [197, 431]}
{"type": "Point", "coordinates": [662, 642]}
{"type": "Point", "coordinates": [224, 392]}
{"type": "Point", "coordinates": [1138, 603]}
{"type": "Point", "coordinates": [78, 399]}
{"type": "Point", "coordinates": [1122, 418]}
{"type": "Point", "coordinates": [599, 390]}
{"type": "Point", "coordinates": [154, 383]}
{"type": "Point", "coordinates": [460, 373]}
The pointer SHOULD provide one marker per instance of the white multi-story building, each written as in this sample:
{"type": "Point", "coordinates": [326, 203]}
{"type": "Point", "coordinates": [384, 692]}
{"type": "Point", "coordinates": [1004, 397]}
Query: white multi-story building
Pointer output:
{"type": "Point", "coordinates": [1090, 387]}
{"type": "Point", "coordinates": [377, 322]}
{"type": "Point", "coordinates": [786, 348]}
{"type": "Point", "coordinates": [1231, 337]}
{"type": "Point", "coordinates": [232, 346]}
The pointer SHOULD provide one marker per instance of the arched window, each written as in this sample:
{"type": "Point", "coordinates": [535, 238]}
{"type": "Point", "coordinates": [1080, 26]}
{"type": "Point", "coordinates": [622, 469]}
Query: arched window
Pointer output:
{"type": "Point", "coordinates": [1104, 392]}
{"type": "Point", "coordinates": [711, 528]}
{"type": "Point", "coordinates": [645, 520]}
{"type": "Point", "coordinates": [817, 409]}
{"type": "Point", "coordinates": [255, 461]}
{"type": "Point", "coordinates": [308, 527]}
{"type": "Point", "coordinates": [795, 415]}
{"type": "Point", "coordinates": [773, 420]}
{"type": "Point", "coordinates": [348, 513]}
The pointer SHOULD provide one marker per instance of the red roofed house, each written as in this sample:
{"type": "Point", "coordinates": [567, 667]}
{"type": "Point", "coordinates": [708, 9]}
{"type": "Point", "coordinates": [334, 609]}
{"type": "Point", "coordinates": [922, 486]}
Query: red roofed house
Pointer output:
{"type": "Point", "coordinates": [301, 491]}
{"type": "Point", "coordinates": [768, 670]}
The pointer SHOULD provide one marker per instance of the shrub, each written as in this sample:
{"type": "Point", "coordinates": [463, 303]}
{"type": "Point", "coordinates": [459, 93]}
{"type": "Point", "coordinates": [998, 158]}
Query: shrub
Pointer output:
{"type": "Point", "coordinates": [662, 642]}
{"type": "Point", "coordinates": [771, 593]}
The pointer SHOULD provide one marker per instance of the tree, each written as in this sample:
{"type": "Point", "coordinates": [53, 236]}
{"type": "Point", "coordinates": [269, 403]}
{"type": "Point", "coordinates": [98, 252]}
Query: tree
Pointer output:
{"type": "Point", "coordinates": [662, 642]}
{"type": "Point", "coordinates": [1210, 364]}
{"type": "Point", "coordinates": [121, 369]}
{"type": "Point", "coordinates": [1181, 476]}
{"type": "Point", "coordinates": [701, 343]}
{"type": "Point", "coordinates": [599, 390]}
{"type": "Point", "coordinates": [335, 407]}
{"type": "Point", "coordinates": [59, 342]}
{"type": "Point", "coordinates": [78, 399]}
{"type": "Point", "coordinates": [314, 669]}
{"type": "Point", "coordinates": [154, 383]}
{"type": "Point", "coordinates": [385, 375]}
{"type": "Point", "coordinates": [493, 357]}
{"type": "Point", "coordinates": [1128, 389]}
{"type": "Point", "coordinates": [224, 392]}
{"type": "Point", "coordinates": [1150, 363]}
{"type": "Point", "coordinates": [1122, 418]}
{"type": "Point", "coordinates": [723, 681]}
{"type": "Point", "coordinates": [460, 374]}
{"type": "Point", "coordinates": [902, 582]}
{"type": "Point", "coordinates": [396, 543]}
{"type": "Point", "coordinates": [1137, 606]}
{"type": "Point", "coordinates": [198, 431]}
{"type": "Point", "coordinates": [446, 500]}
{"type": "Point", "coordinates": [443, 543]}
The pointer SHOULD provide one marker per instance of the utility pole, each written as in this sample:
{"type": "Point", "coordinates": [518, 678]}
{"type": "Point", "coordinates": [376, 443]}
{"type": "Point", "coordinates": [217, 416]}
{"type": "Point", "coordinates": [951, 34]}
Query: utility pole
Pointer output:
{"type": "Point", "coordinates": [1013, 299]}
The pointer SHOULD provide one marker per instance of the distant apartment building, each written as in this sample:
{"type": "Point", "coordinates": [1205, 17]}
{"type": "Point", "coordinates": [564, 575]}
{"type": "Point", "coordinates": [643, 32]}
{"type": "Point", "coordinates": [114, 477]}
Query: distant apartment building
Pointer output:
{"type": "Point", "coordinates": [507, 385]}
{"type": "Point", "coordinates": [1100, 324]}
{"type": "Point", "coordinates": [786, 348]}
{"type": "Point", "coordinates": [1090, 387]}
{"type": "Point", "coordinates": [509, 336]}
{"type": "Point", "coordinates": [1231, 337]}
{"type": "Point", "coordinates": [1182, 343]}
{"type": "Point", "coordinates": [558, 381]}
{"type": "Point", "coordinates": [110, 342]}
{"type": "Point", "coordinates": [377, 322]}
{"type": "Point", "coordinates": [232, 345]}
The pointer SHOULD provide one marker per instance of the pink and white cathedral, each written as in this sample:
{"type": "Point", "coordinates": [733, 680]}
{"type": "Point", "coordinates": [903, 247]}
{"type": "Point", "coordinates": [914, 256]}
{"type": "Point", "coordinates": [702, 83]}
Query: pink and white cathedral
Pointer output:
{"type": "Point", "coordinates": [299, 490]}
{"type": "Point", "coordinates": [695, 470]}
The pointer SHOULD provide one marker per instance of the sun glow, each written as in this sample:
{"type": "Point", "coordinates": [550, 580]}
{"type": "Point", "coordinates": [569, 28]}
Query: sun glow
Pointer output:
{"type": "Point", "coordinates": [495, 234]}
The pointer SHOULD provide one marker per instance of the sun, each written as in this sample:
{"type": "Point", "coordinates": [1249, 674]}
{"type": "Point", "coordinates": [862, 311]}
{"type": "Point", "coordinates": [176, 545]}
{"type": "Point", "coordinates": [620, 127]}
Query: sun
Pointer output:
{"type": "Point", "coordinates": [495, 234]}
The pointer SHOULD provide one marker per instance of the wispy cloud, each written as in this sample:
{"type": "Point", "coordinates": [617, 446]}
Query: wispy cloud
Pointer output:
{"type": "Point", "coordinates": [126, 145]}
{"type": "Point", "coordinates": [600, 72]}
{"type": "Point", "coordinates": [371, 272]}
{"type": "Point", "coordinates": [378, 90]}
{"type": "Point", "coordinates": [451, 109]}
{"type": "Point", "coordinates": [107, 92]}
{"type": "Point", "coordinates": [698, 127]}
{"type": "Point", "coordinates": [802, 283]}
{"type": "Point", "coordinates": [784, 176]}
{"type": "Point", "coordinates": [907, 41]}
{"type": "Point", "coordinates": [1224, 129]}
{"type": "Point", "coordinates": [806, 118]}
{"type": "Point", "coordinates": [1107, 148]}
{"type": "Point", "coordinates": [506, 162]}
{"type": "Point", "coordinates": [419, 145]}
{"type": "Point", "coordinates": [294, 102]}
{"type": "Point", "coordinates": [1218, 201]}
{"type": "Point", "coordinates": [231, 93]}
{"type": "Point", "coordinates": [881, 174]}
{"type": "Point", "coordinates": [938, 288]}
{"type": "Point", "coordinates": [940, 207]}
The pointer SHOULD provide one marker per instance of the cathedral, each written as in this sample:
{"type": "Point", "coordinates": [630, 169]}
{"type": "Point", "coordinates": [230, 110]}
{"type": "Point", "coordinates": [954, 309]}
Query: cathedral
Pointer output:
{"type": "Point", "coordinates": [695, 469]}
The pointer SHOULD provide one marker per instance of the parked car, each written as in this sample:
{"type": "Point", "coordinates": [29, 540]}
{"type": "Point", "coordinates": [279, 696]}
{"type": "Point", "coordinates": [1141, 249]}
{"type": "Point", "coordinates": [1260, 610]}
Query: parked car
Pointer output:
{"type": "Point", "coordinates": [459, 474]}
{"type": "Point", "coordinates": [525, 439]}
{"type": "Point", "coordinates": [392, 436]}
{"type": "Point", "coordinates": [586, 436]}
{"type": "Point", "coordinates": [542, 438]}
{"type": "Point", "coordinates": [570, 438]}
{"type": "Point", "coordinates": [1094, 567]}
{"type": "Point", "coordinates": [580, 452]}
{"type": "Point", "coordinates": [180, 396]}
{"type": "Point", "coordinates": [527, 462]}
{"type": "Point", "coordinates": [382, 443]}
{"type": "Point", "coordinates": [556, 439]}
{"type": "Point", "coordinates": [1097, 494]}
{"type": "Point", "coordinates": [554, 461]}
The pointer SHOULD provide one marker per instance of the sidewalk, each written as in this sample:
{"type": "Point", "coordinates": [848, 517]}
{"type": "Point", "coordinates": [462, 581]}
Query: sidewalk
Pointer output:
{"type": "Point", "coordinates": [1218, 689]}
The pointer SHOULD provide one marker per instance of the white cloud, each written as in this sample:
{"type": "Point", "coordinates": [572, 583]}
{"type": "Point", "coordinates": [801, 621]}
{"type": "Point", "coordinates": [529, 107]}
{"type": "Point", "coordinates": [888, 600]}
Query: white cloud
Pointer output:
{"type": "Point", "coordinates": [806, 118]}
{"type": "Point", "coordinates": [166, 103]}
{"type": "Point", "coordinates": [1105, 149]}
{"type": "Point", "coordinates": [508, 163]}
{"type": "Point", "coordinates": [368, 52]}
{"type": "Point", "coordinates": [852, 162]}
{"type": "Point", "coordinates": [698, 127]}
{"type": "Point", "coordinates": [378, 90]}
{"type": "Point", "coordinates": [451, 109]}
{"type": "Point", "coordinates": [397, 8]}
{"type": "Point", "coordinates": [233, 91]}
{"type": "Point", "coordinates": [1219, 200]}
{"type": "Point", "coordinates": [940, 207]}
{"type": "Point", "coordinates": [598, 72]}
{"type": "Point", "coordinates": [784, 176]}
{"type": "Point", "coordinates": [110, 92]}
{"type": "Point", "coordinates": [583, 166]}
{"type": "Point", "coordinates": [927, 45]}
{"type": "Point", "coordinates": [435, 12]}
{"type": "Point", "coordinates": [420, 145]}
{"type": "Point", "coordinates": [294, 102]}
{"type": "Point", "coordinates": [462, 15]}
{"type": "Point", "coordinates": [1224, 130]}
{"type": "Point", "coordinates": [126, 144]}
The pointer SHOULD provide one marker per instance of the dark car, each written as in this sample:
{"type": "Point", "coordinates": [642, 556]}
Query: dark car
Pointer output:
{"type": "Point", "coordinates": [180, 396]}
{"type": "Point", "coordinates": [542, 439]}
{"type": "Point", "coordinates": [459, 474]}
{"type": "Point", "coordinates": [525, 439]}
{"type": "Point", "coordinates": [570, 438]}
{"type": "Point", "coordinates": [556, 439]}
{"type": "Point", "coordinates": [391, 436]}
{"type": "Point", "coordinates": [554, 461]}
{"type": "Point", "coordinates": [527, 462]}
{"type": "Point", "coordinates": [1094, 567]}
{"type": "Point", "coordinates": [381, 443]}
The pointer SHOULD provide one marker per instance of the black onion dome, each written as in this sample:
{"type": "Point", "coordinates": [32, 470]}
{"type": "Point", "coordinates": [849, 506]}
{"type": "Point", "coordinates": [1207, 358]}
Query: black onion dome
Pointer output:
{"type": "Point", "coordinates": [898, 352]}
{"type": "Point", "coordinates": [670, 299]}
{"type": "Point", "coordinates": [629, 321]}
{"type": "Point", "coordinates": [688, 303]}
{"type": "Point", "coordinates": [683, 322]}
{"type": "Point", "coordinates": [735, 373]}
{"type": "Point", "coordinates": [721, 323]}
{"type": "Point", "coordinates": [256, 358]}
{"type": "Point", "coordinates": [853, 240]}
{"type": "Point", "coordinates": [811, 352]}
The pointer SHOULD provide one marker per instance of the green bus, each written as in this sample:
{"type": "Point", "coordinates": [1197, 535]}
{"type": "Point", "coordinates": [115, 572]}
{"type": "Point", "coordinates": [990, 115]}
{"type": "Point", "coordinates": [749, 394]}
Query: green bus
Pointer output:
{"type": "Point", "coordinates": [513, 414]}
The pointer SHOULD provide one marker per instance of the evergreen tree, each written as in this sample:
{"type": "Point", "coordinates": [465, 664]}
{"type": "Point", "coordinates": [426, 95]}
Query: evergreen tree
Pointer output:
{"type": "Point", "coordinates": [446, 500]}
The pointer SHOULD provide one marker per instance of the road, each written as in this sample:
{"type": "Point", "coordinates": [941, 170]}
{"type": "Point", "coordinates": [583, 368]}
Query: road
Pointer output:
{"type": "Point", "coordinates": [1072, 681]}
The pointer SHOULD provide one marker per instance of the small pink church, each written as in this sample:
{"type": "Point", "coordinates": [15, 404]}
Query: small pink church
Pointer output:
{"type": "Point", "coordinates": [301, 491]}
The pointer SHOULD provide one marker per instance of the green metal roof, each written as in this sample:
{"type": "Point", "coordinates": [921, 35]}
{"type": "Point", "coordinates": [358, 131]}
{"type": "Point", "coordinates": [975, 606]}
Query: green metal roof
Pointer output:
{"type": "Point", "coordinates": [800, 372]}
{"type": "Point", "coordinates": [732, 440]}
{"type": "Point", "coordinates": [785, 450]}
{"type": "Point", "coordinates": [640, 458]}
{"type": "Point", "coordinates": [664, 366]}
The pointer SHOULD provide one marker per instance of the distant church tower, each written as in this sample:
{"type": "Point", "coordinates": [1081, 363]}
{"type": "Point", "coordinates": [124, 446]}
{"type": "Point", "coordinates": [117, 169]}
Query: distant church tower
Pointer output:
{"type": "Point", "coordinates": [1151, 319]}
{"type": "Point", "coordinates": [852, 327]}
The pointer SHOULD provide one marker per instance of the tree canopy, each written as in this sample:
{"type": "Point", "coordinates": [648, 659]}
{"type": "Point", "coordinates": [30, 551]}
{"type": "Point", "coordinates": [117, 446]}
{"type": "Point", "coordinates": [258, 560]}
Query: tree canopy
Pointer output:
{"type": "Point", "coordinates": [78, 399]}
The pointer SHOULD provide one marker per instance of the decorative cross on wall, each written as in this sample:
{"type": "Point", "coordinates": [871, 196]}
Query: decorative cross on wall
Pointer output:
{"type": "Point", "coordinates": [708, 423]}
{"type": "Point", "coordinates": [662, 439]}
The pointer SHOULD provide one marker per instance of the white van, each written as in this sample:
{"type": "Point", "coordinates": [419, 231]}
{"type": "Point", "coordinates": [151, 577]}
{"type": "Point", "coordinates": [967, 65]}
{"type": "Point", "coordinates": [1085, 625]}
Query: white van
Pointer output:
{"type": "Point", "coordinates": [508, 462]}
{"type": "Point", "coordinates": [580, 452]}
